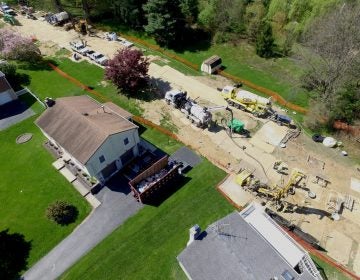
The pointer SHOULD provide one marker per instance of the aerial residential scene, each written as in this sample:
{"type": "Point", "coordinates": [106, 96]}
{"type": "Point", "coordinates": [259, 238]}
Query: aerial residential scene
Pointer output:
{"type": "Point", "coordinates": [180, 139]}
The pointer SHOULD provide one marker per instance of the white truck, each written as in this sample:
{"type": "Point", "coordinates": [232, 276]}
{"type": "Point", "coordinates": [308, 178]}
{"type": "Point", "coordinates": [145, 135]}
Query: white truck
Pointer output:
{"type": "Point", "coordinates": [79, 48]}
{"type": "Point", "coordinates": [99, 58]}
{"type": "Point", "coordinates": [5, 9]}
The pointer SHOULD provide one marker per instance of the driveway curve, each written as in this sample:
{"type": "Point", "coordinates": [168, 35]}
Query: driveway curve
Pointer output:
{"type": "Point", "coordinates": [117, 205]}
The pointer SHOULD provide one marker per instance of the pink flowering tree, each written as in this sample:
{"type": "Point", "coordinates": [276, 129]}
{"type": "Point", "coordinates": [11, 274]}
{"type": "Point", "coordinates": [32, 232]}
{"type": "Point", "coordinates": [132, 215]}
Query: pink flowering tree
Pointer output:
{"type": "Point", "coordinates": [14, 46]}
{"type": "Point", "coordinates": [128, 70]}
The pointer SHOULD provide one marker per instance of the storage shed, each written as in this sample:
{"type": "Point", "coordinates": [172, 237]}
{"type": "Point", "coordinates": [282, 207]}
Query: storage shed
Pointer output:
{"type": "Point", "coordinates": [211, 65]}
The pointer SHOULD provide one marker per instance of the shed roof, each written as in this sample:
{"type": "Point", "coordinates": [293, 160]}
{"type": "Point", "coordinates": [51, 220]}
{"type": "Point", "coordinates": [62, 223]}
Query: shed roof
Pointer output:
{"type": "Point", "coordinates": [211, 59]}
{"type": "Point", "coordinates": [232, 248]}
{"type": "Point", "coordinates": [80, 125]}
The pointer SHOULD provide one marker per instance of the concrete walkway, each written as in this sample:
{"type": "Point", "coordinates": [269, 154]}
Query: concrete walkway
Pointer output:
{"type": "Point", "coordinates": [117, 204]}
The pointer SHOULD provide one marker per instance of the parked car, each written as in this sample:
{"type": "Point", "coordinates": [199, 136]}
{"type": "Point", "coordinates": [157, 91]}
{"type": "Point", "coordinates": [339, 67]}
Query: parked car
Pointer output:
{"type": "Point", "coordinates": [89, 53]}
{"type": "Point", "coordinates": [99, 58]}
{"type": "Point", "coordinates": [79, 48]}
{"type": "Point", "coordinates": [7, 10]}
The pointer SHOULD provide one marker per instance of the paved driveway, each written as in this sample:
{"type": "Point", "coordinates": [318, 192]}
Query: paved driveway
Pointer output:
{"type": "Point", "coordinates": [117, 205]}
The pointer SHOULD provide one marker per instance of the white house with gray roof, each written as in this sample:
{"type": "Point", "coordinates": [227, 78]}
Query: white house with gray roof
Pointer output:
{"type": "Point", "coordinates": [98, 138]}
{"type": "Point", "coordinates": [246, 245]}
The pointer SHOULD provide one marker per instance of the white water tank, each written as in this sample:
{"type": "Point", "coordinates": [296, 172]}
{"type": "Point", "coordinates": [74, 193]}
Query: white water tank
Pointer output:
{"type": "Point", "coordinates": [247, 95]}
{"type": "Point", "coordinates": [329, 142]}
{"type": "Point", "coordinates": [200, 113]}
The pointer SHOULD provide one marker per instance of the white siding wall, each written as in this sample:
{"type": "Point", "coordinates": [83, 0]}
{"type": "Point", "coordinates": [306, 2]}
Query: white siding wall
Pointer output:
{"type": "Point", "coordinates": [112, 149]}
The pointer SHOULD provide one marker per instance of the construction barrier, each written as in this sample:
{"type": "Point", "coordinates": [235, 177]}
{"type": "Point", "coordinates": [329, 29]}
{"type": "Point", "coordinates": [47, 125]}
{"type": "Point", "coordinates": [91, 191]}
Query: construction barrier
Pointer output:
{"type": "Point", "coordinates": [349, 129]}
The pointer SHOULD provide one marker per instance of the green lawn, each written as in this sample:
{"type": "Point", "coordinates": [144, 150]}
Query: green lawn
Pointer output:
{"type": "Point", "coordinates": [29, 183]}
{"type": "Point", "coordinates": [48, 83]}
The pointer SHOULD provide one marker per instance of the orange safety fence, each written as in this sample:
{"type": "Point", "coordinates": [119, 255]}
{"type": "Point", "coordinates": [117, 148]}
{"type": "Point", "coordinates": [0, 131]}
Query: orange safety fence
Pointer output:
{"type": "Point", "coordinates": [78, 83]}
{"type": "Point", "coordinates": [349, 129]}
{"type": "Point", "coordinates": [196, 67]}
{"type": "Point", "coordinates": [321, 255]}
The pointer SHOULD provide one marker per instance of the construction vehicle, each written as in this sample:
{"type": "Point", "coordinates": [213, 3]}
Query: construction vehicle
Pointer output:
{"type": "Point", "coordinates": [83, 27]}
{"type": "Point", "coordinates": [9, 19]}
{"type": "Point", "coordinates": [247, 101]}
{"type": "Point", "coordinates": [281, 167]}
{"type": "Point", "coordinates": [199, 115]}
{"type": "Point", "coordinates": [277, 193]}
{"type": "Point", "coordinates": [5, 9]}
{"type": "Point", "coordinates": [281, 119]}
{"type": "Point", "coordinates": [58, 19]}
{"type": "Point", "coordinates": [176, 98]}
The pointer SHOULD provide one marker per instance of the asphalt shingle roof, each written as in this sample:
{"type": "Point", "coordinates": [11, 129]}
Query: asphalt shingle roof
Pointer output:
{"type": "Point", "coordinates": [80, 125]}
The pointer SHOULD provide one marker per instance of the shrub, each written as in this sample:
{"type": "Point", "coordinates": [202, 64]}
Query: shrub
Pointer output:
{"type": "Point", "coordinates": [61, 212]}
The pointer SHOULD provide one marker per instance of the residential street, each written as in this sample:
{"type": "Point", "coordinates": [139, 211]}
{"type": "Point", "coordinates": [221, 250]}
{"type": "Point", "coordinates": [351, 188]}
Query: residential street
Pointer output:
{"type": "Point", "coordinates": [117, 205]}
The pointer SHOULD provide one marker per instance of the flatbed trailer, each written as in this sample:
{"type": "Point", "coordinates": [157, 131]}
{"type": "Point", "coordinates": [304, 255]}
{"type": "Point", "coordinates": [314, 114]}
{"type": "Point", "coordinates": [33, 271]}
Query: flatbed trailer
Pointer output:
{"type": "Point", "coordinates": [155, 181]}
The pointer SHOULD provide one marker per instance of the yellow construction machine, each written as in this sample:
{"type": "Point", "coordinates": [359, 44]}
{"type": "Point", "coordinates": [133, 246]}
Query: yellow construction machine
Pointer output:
{"type": "Point", "coordinates": [277, 193]}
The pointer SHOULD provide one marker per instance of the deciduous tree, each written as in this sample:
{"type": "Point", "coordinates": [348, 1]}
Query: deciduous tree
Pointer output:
{"type": "Point", "coordinates": [14, 46]}
{"type": "Point", "coordinates": [128, 70]}
{"type": "Point", "coordinates": [334, 57]}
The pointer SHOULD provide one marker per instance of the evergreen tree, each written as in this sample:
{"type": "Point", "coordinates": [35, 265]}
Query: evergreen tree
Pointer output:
{"type": "Point", "coordinates": [265, 46]}
{"type": "Point", "coordinates": [165, 21]}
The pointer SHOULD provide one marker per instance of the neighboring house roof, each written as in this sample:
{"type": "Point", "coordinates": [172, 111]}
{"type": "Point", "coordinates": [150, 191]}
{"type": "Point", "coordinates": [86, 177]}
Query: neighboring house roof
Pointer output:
{"type": "Point", "coordinates": [4, 84]}
{"type": "Point", "coordinates": [233, 248]}
{"type": "Point", "coordinates": [81, 125]}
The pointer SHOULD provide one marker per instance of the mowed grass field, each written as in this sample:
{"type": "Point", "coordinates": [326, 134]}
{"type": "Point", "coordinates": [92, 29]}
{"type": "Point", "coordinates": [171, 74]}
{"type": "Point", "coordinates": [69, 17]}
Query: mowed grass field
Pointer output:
{"type": "Point", "coordinates": [29, 183]}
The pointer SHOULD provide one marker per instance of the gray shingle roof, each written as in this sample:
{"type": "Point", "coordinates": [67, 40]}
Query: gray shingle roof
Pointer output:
{"type": "Point", "coordinates": [80, 125]}
{"type": "Point", "coordinates": [233, 249]}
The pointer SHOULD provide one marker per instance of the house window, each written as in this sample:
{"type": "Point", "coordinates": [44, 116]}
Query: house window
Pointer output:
{"type": "Point", "coordinates": [101, 159]}
{"type": "Point", "coordinates": [126, 141]}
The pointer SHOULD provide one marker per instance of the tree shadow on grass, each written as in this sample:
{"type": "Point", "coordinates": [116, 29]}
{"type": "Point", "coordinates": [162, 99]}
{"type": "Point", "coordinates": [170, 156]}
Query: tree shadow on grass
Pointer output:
{"type": "Point", "coordinates": [18, 80]}
{"type": "Point", "coordinates": [164, 193]}
{"type": "Point", "coordinates": [42, 65]}
{"type": "Point", "coordinates": [194, 40]}
{"type": "Point", "coordinates": [14, 252]}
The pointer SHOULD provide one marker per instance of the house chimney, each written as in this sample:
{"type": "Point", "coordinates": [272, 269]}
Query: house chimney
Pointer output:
{"type": "Point", "coordinates": [194, 234]}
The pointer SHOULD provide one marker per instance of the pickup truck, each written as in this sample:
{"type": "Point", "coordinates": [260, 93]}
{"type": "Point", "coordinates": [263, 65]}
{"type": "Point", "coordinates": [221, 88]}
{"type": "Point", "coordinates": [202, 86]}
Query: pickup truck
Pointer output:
{"type": "Point", "coordinates": [7, 10]}
{"type": "Point", "coordinates": [79, 48]}
{"type": "Point", "coordinates": [98, 58]}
